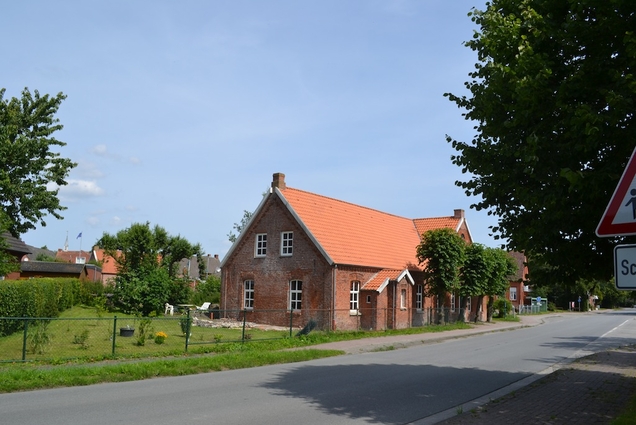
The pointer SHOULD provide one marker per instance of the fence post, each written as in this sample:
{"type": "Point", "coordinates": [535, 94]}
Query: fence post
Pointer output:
{"type": "Point", "coordinates": [114, 333]}
{"type": "Point", "coordinates": [187, 329]}
{"type": "Point", "coordinates": [243, 331]}
{"type": "Point", "coordinates": [24, 338]}
{"type": "Point", "coordinates": [291, 321]}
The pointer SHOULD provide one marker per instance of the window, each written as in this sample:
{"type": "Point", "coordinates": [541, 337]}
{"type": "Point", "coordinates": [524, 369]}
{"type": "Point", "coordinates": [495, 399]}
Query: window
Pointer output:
{"type": "Point", "coordinates": [452, 309]}
{"type": "Point", "coordinates": [368, 299]}
{"type": "Point", "coordinates": [295, 294]}
{"type": "Point", "coordinates": [260, 249]}
{"type": "Point", "coordinates": [248, 294]}
{"type": "Point", "coordinates": [469, 304]}
{"type": "Point", "coordinates": [513, 293]}
{"type": "Point", "coordinates": [403, 299]}
{"type": "Point", "coordinates": [419, 297]}
{"type": "Point", "coordinates": [354, 296]}
{"type": "Point", "coordinates": [286, 243]}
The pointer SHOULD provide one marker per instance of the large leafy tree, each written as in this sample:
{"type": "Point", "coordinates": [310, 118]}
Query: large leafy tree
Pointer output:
{"type": "Point", "coordinates": [473, 275]}
{"type": "Point", "coordinates": [442, 252]}
{"type": "Point", "coordinates": [31, 170]}
{"type": "Point", "coordinates": [501, 268]}
{"type": "Point", "coordinates": [552, 97]}
{"type": "Point", "coordinates": [147, 260]}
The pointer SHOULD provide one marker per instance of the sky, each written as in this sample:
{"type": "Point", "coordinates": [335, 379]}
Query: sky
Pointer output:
{"type": "Point", "coordinates": [179, 113]}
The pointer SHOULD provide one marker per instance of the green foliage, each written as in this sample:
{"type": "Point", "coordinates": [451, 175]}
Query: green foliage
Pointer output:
{"type": "Point", "coordinates": [30, 172]}
{"type": "Point", "coordinates": [185, 323]}
{"type": "Point", "coordinates": [143, 291]}
{"type": "Point", "coordinates": [503, 307]}
{"type": "Point", "coordinates": [140, 247]}
{"type": "Point", "coordinates": [38, 337]}
{"type": "Point", "coordinates": [442, 251]}
{"type": "Point", "coordinates": [208, 290]}
{"type": "Point", "coordinates": [180, 291]}
{"type": "Point", "coordinates": [552, 98]}
{"type": "Point", "coordinates": [239, 226]}
{"type": "Point", "coordinates": [144, 330]}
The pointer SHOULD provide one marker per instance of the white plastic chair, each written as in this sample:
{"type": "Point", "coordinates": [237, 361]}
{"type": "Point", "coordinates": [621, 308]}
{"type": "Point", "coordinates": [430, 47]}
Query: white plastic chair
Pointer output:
{"type": "Point", "coordinates": [204, 307]}
{"type": "Point", "coordinates": [169, 308]}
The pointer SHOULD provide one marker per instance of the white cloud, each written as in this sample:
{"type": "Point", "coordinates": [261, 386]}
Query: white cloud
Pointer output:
{"type": "Point", "coordinates": [78, 189]}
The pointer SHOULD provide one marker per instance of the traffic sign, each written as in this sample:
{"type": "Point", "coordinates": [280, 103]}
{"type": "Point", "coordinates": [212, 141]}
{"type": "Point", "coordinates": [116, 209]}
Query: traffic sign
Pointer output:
{"type": "Point", "coordinates": [619, 218]}
{"type": "Point", "coordinates": [625, 267]}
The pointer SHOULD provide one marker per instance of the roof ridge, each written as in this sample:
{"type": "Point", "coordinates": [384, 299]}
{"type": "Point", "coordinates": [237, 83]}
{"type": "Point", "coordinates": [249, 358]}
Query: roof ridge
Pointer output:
{"type": "Point", "coordinates": [346, 202]}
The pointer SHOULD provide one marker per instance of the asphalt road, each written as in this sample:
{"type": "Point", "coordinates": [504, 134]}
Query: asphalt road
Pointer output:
{"type": "Point", "coordinates": [411, 385]}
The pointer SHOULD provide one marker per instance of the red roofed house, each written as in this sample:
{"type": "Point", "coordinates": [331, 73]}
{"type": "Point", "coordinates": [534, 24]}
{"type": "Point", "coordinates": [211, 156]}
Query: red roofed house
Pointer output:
{"type": "Point", "coordinates": [343, 265]}
{"type": "Point", "coordinates": [109, 266]}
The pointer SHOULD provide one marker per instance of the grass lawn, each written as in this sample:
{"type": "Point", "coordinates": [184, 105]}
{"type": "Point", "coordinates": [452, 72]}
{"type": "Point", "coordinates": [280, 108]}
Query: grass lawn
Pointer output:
{"type": "Point", "coordinates": [78, 351]}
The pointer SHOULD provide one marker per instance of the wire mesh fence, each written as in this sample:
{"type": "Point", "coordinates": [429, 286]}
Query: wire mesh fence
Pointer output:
{"type": "Point", "coordinates": [48, 339]}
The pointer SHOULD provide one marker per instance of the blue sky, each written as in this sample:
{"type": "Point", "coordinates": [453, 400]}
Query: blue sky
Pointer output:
{"type": "Point", "coordinates": [178, 113]}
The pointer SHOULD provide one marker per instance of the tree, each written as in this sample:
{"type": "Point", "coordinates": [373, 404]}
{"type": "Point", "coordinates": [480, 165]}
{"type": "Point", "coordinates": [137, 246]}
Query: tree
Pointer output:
{"type": "Point", "coordinates": [552, 97]}
{"type": "Point", "coordinates": [239, 226]}
{"type": "Point", "coordinates": [31, 173]}
{"type": "Point", "coordinates": [473, 276]}
{"type": "Point", "coordinates": [501, 268]}
{"type": "Point", "coordinates": [442, 253]}
{"type": "Point", "coordinates": [147, 261]}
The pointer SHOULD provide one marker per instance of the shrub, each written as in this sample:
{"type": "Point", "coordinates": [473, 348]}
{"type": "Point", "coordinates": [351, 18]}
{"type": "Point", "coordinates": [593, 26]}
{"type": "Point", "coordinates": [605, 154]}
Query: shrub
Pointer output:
{"type": "Point", "coordinates": [160, 337]}
{"type": "Point", "coordinates": [503, 307]}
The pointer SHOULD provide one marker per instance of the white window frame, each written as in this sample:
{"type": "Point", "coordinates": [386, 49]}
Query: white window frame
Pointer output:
{"type": "Point", "coordinates": [286, 244]}
{"type": "Point", "coordinates": [419, 297]}
{"type": "Point", "coordinates": [403, 299]}
{"type": "Point", "coordinates": [295, 294]}
{"type": "Point", "coordinates": [452, 302]}
{"type": "Point", "coordinates": [469, 304]}
{"type": "Point", "coordinates": [248, 294]}
{"type": "Point", "coordinates": [354, 296]}
{"type": "Point", "coordinates": [513, 293]}
{"type": "Point", "coordinates": [260, 245]}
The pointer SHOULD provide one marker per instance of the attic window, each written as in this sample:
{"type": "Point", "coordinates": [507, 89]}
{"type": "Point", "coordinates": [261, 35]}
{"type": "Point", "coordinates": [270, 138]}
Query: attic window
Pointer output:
{"type": "Point", "coordinates": [260, 247]}
{"type": "Point", "coordinates": [286, 243]}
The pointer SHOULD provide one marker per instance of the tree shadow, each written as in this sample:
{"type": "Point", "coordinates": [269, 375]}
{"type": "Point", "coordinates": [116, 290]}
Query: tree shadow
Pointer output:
{"type": "Point", "coordinates": [398, 393]}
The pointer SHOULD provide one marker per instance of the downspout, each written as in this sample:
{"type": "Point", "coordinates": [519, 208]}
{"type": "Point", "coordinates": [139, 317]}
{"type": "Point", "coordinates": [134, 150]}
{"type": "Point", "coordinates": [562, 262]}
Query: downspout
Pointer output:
{"type": "Point", "coordinates": [394, 306]}
{"type": "Point", "coordinates": [334, 274]}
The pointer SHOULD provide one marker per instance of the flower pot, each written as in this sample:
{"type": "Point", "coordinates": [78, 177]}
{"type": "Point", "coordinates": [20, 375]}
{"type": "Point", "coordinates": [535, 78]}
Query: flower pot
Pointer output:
{"type": "Point", "coordinates": [126, 332]}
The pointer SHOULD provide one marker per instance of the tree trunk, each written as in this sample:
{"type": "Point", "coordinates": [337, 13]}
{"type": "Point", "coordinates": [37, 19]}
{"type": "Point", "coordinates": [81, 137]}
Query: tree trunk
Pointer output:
{"type": "Point", "coordinates": [491, 303]}
{"type": "Point", "coordinates": [480, 301]}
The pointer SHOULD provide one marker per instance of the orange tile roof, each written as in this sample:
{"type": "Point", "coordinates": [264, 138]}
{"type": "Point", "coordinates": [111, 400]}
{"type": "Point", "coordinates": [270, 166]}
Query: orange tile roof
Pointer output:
{"type": "Point", "coordinates": [425, 224]}
{"type": "Point", "coordinates": [381, 279]}
{"type": "Point", "coordinates": [355, 235]}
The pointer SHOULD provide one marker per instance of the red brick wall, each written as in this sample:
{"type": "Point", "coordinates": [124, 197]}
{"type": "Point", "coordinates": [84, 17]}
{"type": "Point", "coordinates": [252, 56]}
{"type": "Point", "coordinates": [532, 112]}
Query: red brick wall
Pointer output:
{"type": "Point", "coordinates": [271, 274]}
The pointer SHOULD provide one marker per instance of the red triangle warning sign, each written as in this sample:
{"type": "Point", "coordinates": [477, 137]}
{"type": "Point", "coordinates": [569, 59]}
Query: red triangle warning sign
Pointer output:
{"type": "Point", "coordinates": [619, 218]}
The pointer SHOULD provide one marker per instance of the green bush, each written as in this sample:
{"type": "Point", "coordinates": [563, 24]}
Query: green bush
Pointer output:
{"type": "Point", "coordinates": [503, 307]}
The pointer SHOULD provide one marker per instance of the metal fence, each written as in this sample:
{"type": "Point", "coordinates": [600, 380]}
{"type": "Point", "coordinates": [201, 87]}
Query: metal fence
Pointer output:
{"type": "Point", "coordinates": [107, 337]}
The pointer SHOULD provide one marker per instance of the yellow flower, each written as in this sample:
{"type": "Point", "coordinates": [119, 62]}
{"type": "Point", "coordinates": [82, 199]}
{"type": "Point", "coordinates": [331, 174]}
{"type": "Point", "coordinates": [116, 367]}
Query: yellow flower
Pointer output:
{"type": "Point", "coordinates": [161, 335]}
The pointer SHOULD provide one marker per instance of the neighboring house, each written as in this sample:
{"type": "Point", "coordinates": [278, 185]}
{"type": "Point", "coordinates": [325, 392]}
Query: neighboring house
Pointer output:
{"type": "Point", "coordinates": [17, 249]}
{"type": "Point", "coordinates": [342, 265]}
{"type": "Point", "coordinates": [37, 252]}
{"type": "Point", "coordinates": [108, 265]}
{"type": "Point", "coordinates": [519, 290]}
{"type": "Point", "coordinates": [32, 269]}
{"type": "Point", "coordinates": [75, 257]}
{"type": "Point", "coordinates": [190, 267]}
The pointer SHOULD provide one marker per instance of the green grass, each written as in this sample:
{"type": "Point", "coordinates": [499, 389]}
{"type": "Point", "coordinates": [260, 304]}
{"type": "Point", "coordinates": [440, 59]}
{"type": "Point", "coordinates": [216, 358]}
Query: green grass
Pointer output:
{"type": "Point", "coordinates": [79, 351]}
{"type": "Point", "coordinates": [628, 417]}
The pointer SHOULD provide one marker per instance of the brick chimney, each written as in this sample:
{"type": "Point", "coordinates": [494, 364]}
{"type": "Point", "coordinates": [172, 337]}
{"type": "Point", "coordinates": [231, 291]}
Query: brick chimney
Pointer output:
{"type": "Point", "coordinates": [279, 181]}
{"type": "Point", "coordinates": [458, 214]}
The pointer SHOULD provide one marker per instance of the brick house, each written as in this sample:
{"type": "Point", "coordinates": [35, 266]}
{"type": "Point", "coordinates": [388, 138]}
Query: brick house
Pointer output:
{"type": "Point", "coordinates": [342, 265]}
{"type": "Point", "coordinates": [518, 289]}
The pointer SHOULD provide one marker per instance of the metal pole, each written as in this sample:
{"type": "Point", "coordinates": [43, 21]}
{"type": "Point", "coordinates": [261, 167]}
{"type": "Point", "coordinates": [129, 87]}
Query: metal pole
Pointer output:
{"type": "Point", "coordinates": [187, 329]}
{"type": "Point", "coordinates": [243, 332]}
{"type": "Point", "coordinates": [24, 338]}
{"type": "Point", "coordinates": [114, 334]}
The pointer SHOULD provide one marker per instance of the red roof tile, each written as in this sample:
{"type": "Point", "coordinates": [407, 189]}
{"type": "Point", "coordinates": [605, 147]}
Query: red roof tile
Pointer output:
{"type": "Point", "coordinates": [381, 278]}
{"type": "Point", "coordinates": [356, 235]}
{"type": "Point", "coordinates": [425, 224]}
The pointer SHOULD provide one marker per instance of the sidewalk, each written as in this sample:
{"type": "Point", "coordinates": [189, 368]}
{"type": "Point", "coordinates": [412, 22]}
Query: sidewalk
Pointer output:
{"type": "Point", "coordinates": [591, 390]}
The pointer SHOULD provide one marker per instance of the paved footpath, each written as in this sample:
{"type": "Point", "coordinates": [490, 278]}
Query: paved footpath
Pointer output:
{"type": "Point", "coordinates": [591, 390]}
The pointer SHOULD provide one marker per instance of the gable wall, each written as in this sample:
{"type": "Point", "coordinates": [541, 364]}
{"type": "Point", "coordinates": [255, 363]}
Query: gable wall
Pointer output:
{"type": "Point", "coordinates": [271, 274]}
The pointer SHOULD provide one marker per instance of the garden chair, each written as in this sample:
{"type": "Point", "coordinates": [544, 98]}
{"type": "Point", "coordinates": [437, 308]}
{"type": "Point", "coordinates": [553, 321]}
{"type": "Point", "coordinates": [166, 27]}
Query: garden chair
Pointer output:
{"type": "Point", "coordinates": [169, 308]}
{"type": "Point", "coordinates": [204, 307]}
